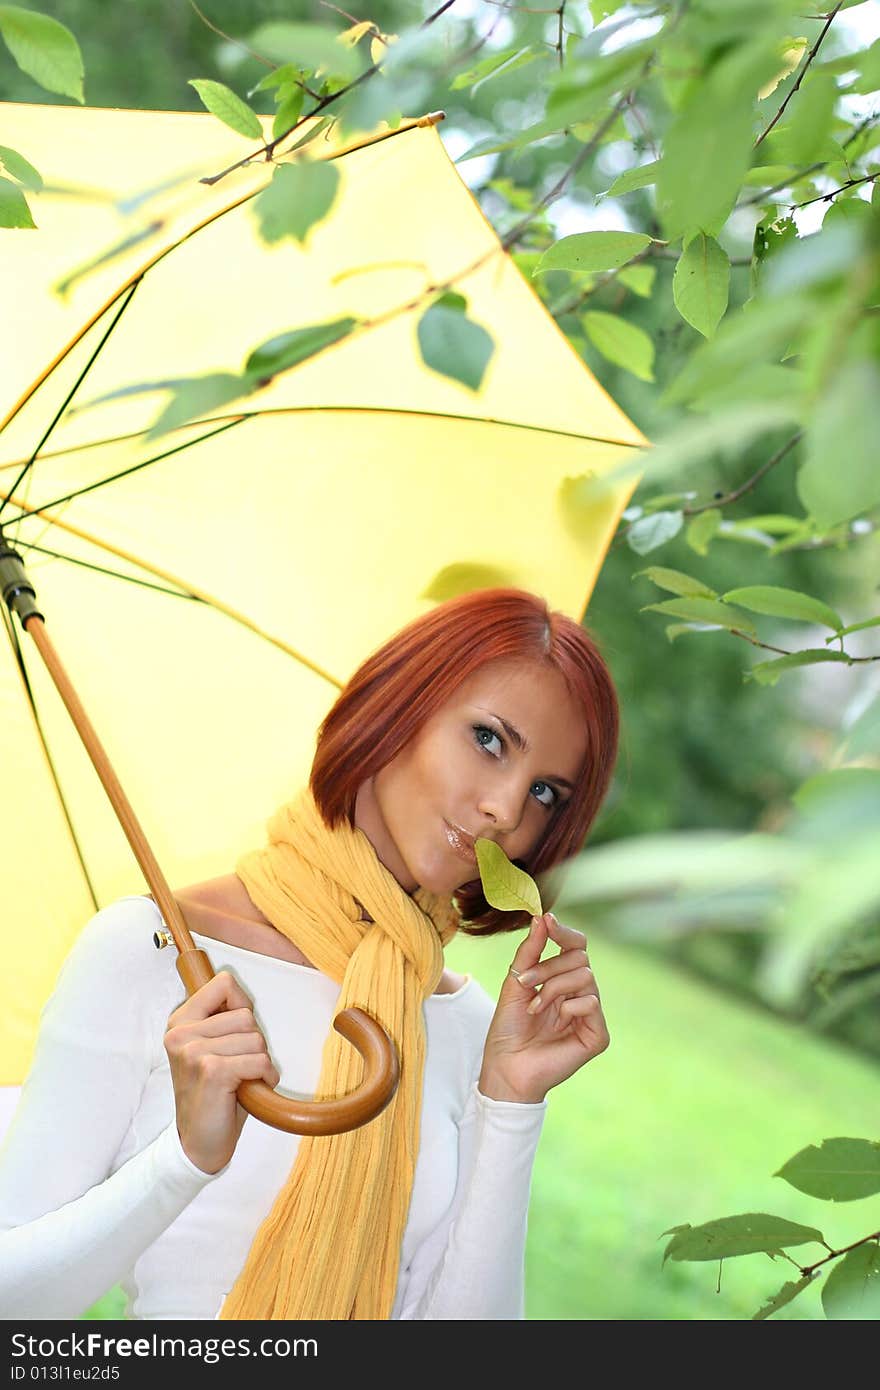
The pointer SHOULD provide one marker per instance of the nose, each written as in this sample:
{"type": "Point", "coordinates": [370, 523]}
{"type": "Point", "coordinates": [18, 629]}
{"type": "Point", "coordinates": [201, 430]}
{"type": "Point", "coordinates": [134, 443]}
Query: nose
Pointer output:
{"type": "Point", "coordinates": [503, 805]}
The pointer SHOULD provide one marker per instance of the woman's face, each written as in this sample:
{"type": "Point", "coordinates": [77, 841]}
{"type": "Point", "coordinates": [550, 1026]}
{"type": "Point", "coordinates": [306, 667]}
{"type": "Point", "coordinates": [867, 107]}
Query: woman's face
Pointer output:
{"type": "Point", "coordinates": [463, 767]}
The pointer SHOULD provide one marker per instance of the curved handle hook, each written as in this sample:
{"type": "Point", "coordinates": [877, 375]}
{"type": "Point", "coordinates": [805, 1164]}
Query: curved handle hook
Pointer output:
{"type": "Point", "coordinates": [381, 1071]}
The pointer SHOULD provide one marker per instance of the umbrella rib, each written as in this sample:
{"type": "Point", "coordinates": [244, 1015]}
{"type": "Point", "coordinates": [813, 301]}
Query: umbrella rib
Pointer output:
{"type": "Point", "coordinates": [18, 656]}
{"type": "Point", "coordinates": [192, 591]}
{"type": "Point", "coordinates": [295, 409]}
{"type": "Point", "coordinates": [111, 574]}
{"type": "Point", "coordinates": [70, 395]}
{"type": "Point", "coordinates": [125, 472]}
{"type": "Point", "coordinates": [138, 275]}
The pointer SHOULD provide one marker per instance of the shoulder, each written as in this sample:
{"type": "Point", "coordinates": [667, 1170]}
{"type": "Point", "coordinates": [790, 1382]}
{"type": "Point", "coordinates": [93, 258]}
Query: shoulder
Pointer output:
{"type": "Point", "coordinates": [115, 948]}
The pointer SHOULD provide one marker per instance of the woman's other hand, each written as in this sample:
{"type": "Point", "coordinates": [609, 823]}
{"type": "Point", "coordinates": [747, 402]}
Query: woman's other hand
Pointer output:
{"type": "Point", "coordinates": [538, 1038]}
{"type": "Point", "coordinates": [213, 1044]}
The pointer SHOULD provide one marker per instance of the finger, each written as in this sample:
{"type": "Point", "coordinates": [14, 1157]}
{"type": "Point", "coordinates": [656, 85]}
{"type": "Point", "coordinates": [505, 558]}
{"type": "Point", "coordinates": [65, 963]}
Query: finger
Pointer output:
{"type": "Point", "coordinates": [227, 1021]}
{"type": "Point", "coordinates": [221, 992]}
{"type": "Point", "coordinates": [236, 1045]}
{"type": "Point", "coordinates": [572, 984]}
{"type": "Point", "coordinates": [588, 1008]}
{"type": "Point", "coordinates": [567, 937]}
{"type": "Point", "coordinates": [555, 965]}
{"type": "Point", "coordinates": [528, 953]}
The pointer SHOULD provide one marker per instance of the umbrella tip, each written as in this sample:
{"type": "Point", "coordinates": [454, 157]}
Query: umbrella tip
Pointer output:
{"type": "Point", "coordinates": [432, 118]}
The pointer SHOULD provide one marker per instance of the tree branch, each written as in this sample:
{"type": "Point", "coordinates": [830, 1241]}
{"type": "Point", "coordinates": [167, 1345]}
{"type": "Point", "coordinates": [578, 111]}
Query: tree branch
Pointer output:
{"type": "Point", "coordinates": [268, 150]}
{"type": "Point", "coordinates": [810, 56]}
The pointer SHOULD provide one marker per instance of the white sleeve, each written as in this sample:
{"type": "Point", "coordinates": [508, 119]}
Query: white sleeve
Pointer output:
{"type": "Point", "coordinates": [70, 1227]}
{"type": "Point", "coordinates": [473, 1265]}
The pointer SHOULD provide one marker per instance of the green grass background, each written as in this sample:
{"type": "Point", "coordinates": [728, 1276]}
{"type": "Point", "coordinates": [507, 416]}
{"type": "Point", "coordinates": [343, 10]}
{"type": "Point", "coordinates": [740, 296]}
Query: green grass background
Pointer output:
{"type": "Point", "coordinates": [699, 1099]}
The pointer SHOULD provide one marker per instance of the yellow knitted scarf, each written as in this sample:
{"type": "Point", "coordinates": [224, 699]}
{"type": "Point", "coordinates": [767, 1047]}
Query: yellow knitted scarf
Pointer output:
{"type": "Point", "coordinates": [330, 1246]}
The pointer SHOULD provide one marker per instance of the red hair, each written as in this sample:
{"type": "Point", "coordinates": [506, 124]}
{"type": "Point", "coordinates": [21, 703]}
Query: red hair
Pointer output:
{"type": "Point", "coordinates": [400, 686]}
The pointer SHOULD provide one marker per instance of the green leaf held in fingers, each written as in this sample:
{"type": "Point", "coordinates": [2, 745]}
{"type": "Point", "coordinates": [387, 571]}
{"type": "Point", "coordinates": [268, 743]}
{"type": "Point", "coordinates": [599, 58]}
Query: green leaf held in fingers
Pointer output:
{"type": "Point", "coordinates": [46, 50]}
{"type": "Point", "coordinates": [504, 885]}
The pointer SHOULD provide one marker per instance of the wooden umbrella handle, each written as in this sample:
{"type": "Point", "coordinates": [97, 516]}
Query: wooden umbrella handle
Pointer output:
{"type": "Point", "coordinates": [381, 1071]}
{"type": "Point", "coordinates": [382, 1066]}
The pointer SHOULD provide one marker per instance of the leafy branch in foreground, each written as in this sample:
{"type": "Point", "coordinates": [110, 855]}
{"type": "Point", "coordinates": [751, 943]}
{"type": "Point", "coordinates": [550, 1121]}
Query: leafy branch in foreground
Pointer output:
{"type": "Point", "coordinates": [46, 51]}
{"type": "Point", "coordinates": [837, 1170]}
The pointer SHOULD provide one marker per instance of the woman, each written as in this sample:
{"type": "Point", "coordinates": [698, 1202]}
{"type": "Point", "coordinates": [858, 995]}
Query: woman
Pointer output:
{"type": "Point", "coordinates": [129, 1160]}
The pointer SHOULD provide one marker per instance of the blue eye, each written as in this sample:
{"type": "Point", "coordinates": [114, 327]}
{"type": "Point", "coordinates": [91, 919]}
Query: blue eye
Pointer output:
{"type": "Point", "coordinates": [484, 729]}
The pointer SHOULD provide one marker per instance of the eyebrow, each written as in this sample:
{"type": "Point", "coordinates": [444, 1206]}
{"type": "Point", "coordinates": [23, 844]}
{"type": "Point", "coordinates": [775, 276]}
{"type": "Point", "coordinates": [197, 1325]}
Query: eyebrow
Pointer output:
{"type": "Point", "coordinates": [523, 744]}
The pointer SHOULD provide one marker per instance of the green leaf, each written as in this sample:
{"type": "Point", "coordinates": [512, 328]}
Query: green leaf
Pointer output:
{"type": "Point", "coordinates": [801, 139]}
{"type": "Point", "coordinates": [852, 1289]}
{"type": "Point", "coordinates": [621, 342]}
{"type": "Point", "coordinates": [14, 211]}
{"type": "Point", "coordinates": [705, 157]}
{"type": "Point", "coordinates": [284, 351]}
{"type": "Point", "coordinates": [504, 885]}
{"type": "Point", "coordinates": [702, 610]}
{"type": "Point", "coordinates": [863, 737]}
{"type": "Point", "coordinates": [298, 198]}
{"type": "Point", "coordinates": [223, 103]}
{"type": "Point", "coordinates": [639, 279]}
{"type": "Point", "coordinates": [785, 1295]}
{"type": "Point", "coordinates": [702, 528]}
{"type": "Point", "coordinates": [505, 62]}
{"type": "Point", "coordinates": [839, 478]}
{"type": "Point", "coordinates": [591, 251]}
{"type": "Point", "coordinates": [44, 49]}
{"type": "Point", "coordinates": [16, 165]}
{"type": "Point", "coordinates": [701, 283]}
{"type": "Point", "coordinates": [676, 582]}
{"type": "Point", "coordinates": [288, 113]}
{"type": "Point", "coordinates": [454, 345]}
{"type": "Point", "coordinates": [452, 299]}
{"type": "Point", "coordinates": [868, 64]}
{"type": "Point", "coordinates": [785, 603]}
{"type": "Point", "coordinates": [652, 531]}
{"type": "Point", "coordinates": [307, 46]}
{"type": "Point", "coordinates": [464, 577]}
{"type": "Point", "coordinates": [738, 1235]}
{"type": "Point", "coordinates": [639, 177]}
{"type": "Point", "coordinates": [837, 1170]}
{"type": "Point", "coordinates": [198, 396]}
{"type": "Point", "coordinates": [768, 672]}
{"type": "Point", "coordinates": [279, 77]}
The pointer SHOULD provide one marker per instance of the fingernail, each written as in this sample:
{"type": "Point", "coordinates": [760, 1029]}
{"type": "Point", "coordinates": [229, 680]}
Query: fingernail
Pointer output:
{"type": "Point", "coordinates": [527, 977]}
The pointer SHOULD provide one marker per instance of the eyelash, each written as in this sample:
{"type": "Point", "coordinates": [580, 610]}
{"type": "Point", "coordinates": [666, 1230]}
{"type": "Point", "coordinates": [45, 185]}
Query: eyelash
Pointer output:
{"type": "Point", "coordinates": [484, 728]}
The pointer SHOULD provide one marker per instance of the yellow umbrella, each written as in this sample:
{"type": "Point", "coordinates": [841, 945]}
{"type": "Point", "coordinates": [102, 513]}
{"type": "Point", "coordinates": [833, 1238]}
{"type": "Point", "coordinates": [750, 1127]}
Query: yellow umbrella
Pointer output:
{"type": "Point", "coordinates": [211, 590]}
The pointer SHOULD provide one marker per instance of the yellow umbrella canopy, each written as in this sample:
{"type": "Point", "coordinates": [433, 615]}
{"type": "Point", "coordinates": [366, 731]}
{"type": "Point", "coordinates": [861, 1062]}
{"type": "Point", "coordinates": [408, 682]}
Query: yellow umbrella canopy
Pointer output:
{"type": "Point", "coordinates": [210, 590]}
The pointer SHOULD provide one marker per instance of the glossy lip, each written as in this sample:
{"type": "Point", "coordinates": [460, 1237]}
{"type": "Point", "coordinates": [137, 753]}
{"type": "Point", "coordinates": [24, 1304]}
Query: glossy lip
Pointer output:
{"type": "Point", "coordinates": [461, 842]}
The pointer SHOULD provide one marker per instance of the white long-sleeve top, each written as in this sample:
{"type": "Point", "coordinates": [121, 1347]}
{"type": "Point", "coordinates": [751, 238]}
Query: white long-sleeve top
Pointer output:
{"type": "Point", "coordinates": [96, 1190]}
